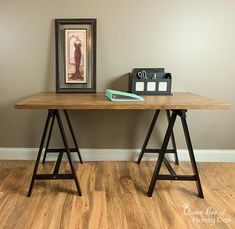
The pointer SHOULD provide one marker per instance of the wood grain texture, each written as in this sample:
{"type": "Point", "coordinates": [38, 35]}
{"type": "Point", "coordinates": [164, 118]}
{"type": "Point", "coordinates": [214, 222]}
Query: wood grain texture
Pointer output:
{"type": "Point", "coordinates": [114, 196]}
{"type": "Point", "coordinates": [179, 100]}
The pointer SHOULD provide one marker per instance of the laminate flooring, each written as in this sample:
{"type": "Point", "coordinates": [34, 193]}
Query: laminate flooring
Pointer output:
{"type": "Point", "coordinates": [114, 196]}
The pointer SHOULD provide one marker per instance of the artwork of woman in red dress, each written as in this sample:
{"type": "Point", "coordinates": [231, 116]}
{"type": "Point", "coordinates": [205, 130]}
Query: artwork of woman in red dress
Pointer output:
{"type": "Point", "coordinates": [77, 58]}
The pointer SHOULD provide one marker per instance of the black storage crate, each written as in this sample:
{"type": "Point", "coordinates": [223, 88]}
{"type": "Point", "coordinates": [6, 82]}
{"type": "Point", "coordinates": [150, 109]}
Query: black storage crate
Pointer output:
{"type": "Point", "coordinates": [155, 82]}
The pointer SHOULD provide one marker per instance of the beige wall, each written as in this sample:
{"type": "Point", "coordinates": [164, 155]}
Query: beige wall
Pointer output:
{"type": "Point", "coordinates": [194, 40]}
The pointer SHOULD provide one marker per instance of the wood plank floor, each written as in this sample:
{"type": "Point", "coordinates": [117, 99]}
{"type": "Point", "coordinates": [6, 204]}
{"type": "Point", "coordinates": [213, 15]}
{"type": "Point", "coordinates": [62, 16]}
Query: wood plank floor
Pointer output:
{"type": "Point", "coordinates": [114, 196]}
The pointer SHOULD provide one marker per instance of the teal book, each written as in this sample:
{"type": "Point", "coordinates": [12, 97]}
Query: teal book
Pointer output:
{"type": "Point", "coordinates": [114, 95]}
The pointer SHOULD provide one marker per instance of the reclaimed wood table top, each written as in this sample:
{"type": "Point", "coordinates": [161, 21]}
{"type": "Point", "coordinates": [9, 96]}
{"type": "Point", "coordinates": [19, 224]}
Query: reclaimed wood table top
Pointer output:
{"type": "Point", "coordinates": [98, 101]}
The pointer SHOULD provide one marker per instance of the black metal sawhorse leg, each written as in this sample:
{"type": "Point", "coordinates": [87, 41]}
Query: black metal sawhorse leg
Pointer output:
{"type": "Point", "coordinates": [150, 130]}
{"type": "Point", "coordinates": [76, 149]}
{"type": "Point", "coordinates": [173, 176]}
{"type": "Point", "coordinates": [173, 139]}
{"type": "Point", "coordinates": [52, 115]}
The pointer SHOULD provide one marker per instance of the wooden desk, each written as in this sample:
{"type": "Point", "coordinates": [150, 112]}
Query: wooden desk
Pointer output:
{"type": "Point", "coordinates": [178, 104]}
{"type": "Point", "coordinates": [98, 101]}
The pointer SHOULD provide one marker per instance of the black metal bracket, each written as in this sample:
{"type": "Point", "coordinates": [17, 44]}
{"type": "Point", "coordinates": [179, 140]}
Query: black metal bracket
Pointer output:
{"type": "Point", "coordinates": [161, 158]}
{"type": "Point", "coordinates": [52, 115]}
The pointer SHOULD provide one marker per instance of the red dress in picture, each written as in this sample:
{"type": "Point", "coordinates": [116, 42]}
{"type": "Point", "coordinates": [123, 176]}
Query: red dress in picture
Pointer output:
{"type": "Point", "coordinates": [77, 57]}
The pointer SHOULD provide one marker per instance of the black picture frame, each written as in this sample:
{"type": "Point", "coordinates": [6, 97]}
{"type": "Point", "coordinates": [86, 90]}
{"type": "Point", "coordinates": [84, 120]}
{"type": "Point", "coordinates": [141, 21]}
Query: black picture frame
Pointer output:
{"type": "Point", "coordinates": [75, 41]}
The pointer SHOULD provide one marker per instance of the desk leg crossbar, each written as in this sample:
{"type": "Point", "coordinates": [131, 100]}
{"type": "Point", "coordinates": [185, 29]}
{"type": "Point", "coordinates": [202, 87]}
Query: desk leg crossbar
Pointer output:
{"type": "Point", "coordinates": [173, 176]}
{"type": "Point", "coordinates": [52, 115]}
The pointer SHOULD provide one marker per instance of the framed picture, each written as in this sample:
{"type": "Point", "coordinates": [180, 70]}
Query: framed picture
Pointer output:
{"type": "Point", "coordinates": [75, 55]}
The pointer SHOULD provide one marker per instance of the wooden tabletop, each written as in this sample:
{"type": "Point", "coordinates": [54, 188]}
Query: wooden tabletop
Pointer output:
{"type": "Point", "coordinates": [89, 101]}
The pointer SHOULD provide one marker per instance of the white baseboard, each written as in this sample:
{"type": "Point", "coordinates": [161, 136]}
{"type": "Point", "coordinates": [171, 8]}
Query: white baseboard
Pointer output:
{"type": "Point", "coordinates": [119, 155]}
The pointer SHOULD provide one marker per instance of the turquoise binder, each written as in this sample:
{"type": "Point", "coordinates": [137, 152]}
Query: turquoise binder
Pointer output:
{"type": "Point", "coordinates": [114, 95]}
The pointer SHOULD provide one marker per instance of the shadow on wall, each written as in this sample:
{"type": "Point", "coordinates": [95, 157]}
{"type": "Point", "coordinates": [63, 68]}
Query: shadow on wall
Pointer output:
{"type": "Point", "coordinates": [50, 75]}
{"type": "Point", "coordinates": [120, 83]}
